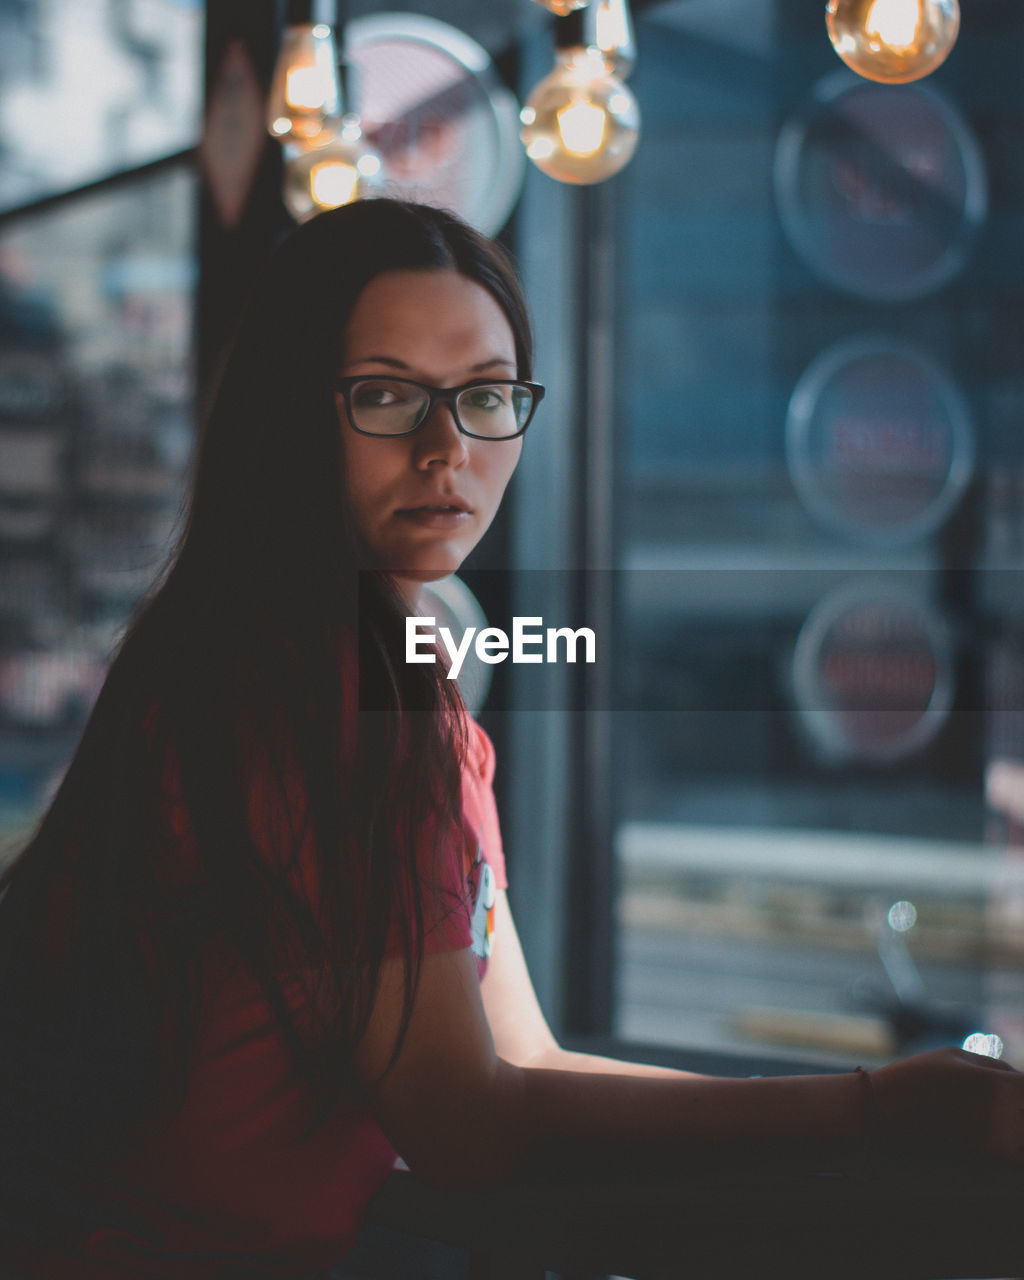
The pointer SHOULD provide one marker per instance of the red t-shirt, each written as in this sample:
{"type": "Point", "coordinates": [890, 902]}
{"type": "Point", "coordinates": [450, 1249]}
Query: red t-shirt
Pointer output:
{"type": "Point", "coordinates": [233, 1184]}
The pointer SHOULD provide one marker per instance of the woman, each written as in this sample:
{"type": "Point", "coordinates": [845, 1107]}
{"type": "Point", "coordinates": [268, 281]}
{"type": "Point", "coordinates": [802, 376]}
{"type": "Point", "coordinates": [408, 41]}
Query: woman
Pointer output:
{"type": "Point", "coordinates": [261, 940]}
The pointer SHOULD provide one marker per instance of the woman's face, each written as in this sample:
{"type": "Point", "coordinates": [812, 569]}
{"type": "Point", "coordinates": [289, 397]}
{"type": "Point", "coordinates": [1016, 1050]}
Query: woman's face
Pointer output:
{"type": "Point", "coordinates": [423, 501]}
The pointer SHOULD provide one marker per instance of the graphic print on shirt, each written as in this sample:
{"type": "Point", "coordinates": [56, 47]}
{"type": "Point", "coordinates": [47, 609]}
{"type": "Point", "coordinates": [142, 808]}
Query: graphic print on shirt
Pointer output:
{"type": "Point", "coordinates": [483, 892]}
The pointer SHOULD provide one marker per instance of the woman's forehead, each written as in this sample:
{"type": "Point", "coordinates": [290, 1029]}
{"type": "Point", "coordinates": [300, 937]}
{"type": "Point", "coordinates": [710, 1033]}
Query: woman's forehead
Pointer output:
{"type": "Point", "coordinates": [414, 313]}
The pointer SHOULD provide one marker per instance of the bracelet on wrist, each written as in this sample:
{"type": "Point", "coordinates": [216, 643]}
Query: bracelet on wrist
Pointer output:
{"type": "Point", "coordinates": [870, 1117]}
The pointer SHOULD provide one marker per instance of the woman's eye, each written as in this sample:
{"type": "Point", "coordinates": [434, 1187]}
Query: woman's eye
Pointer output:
{"type": "Point", "coordinates": [376, 395]}
{"type": "Point", "coordinates": [485, 398]}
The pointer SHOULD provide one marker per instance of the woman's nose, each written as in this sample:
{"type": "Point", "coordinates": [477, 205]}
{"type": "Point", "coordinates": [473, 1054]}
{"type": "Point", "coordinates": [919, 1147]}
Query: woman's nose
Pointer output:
{"type": "Point", "coordinates": [439, 440]}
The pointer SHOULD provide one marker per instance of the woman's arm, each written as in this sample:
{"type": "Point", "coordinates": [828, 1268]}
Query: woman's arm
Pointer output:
{"type": "Point", "coordinates": [520, 1030]}
{"type": "Point", "coordinates": [459, 1111]}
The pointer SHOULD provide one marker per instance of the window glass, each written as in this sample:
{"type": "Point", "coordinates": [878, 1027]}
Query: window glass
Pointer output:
{"type": "Point", "coordinates": [93, 87]}
{"type": "Point", "coordinates": [820, 376]}
{"type": "Point", "coordinates": [95, 432]}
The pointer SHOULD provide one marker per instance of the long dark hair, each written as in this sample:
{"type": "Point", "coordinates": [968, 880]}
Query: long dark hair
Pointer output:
{"type": "Point", "coordinates": [231, 683]}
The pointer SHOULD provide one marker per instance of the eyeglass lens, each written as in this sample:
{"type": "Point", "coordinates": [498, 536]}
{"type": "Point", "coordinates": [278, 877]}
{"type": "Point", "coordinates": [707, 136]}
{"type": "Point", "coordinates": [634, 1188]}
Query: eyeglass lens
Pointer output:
{"type": "Point", "coordinates": [392, 407]}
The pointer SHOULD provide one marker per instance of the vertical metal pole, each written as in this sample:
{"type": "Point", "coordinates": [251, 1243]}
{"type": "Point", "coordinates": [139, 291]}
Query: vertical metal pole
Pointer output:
{"type": "Point", "coordinates": [558, 809]}
{"type": "Point", "coordinates": [241, 213]}
{"type": "Point", "coordinates": [538, 801]}
{"type": "Point", "coordinates": [590, 956]}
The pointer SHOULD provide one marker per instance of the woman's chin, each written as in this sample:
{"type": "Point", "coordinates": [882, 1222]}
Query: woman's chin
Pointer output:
{"type": "Point", "coordinates": [426, 573]}
{"type": "Point", "coordinates": [439, 562]}
{"type": "Point", "coordinates": [411, 581]}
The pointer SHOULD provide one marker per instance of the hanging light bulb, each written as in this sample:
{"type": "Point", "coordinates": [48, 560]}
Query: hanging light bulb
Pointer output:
{"type": "Point", "coordinates": [610, 29]}
{"type": "Point", "coordinates": [305, 97]}
{"type": "Point", "coordinates": [581, 123]}
{"type": "Point", "coordinates": [344, 169]}
{"type": "Point", "coordinates": [561, 8]}
{"type": "Point", "coordinates": [894, 41]}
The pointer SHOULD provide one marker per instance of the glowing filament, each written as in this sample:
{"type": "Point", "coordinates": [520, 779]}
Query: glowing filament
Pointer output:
{"type": "Point", "coordinates": [333, 183]}
{"type": "Point", "coordinates": [895, 23]}
{"type": "Point", "coordinates": [562, 8]}
{"type": "Point", "coordinates": [581, 125]}
{"type": "Point", "coordinates": [304, 89]}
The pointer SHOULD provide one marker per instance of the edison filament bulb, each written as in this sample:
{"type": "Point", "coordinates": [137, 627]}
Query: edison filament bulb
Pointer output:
{"type": "Point", "coordinates": [319, 178]}
{"type": "Point", "coordinates": [304, 106]}
{"type": "Point", "coordinates": [581, 123]}
{"type": "Point", "coordinates": [893, 41]}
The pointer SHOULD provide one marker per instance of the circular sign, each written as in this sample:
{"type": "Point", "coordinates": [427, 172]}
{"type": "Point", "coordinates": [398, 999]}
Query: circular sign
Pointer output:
{"type": "Point", "coordinates": [879, 441]}
{"type": "Point", "coordinates": [872, 674]}
{"type": "Point", "coordinates": [444, 124]}
{"type": "Point", "coordinates": [880, 188]}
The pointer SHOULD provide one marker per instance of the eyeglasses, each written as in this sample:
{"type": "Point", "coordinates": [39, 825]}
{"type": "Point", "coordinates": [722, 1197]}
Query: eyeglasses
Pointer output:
{"type": "Point", "coordinates": [383, 406]}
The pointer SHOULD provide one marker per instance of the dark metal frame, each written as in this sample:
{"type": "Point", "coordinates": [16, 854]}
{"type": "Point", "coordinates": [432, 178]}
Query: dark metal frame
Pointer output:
{"type": "Point", "coordinates": [109, 182]}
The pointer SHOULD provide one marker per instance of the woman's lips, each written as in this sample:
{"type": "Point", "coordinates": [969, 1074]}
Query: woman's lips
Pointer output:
{"type": "Point", "coordinates": [436, 517]}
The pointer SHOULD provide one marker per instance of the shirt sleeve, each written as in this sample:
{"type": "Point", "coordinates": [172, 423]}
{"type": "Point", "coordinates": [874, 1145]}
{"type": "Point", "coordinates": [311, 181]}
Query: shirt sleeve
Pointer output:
{"type": "Point", "coordinates": [478, 800]}
{"type": "Point", "coordinates": [459, 900]}
{"type": "Point", "coordinates": [486, 873]}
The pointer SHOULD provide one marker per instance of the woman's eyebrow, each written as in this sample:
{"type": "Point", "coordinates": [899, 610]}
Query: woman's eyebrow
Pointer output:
{"type": "Point", "coordinates": [395, 363]}
{"type": "Point", "coordinates": [391, 360]}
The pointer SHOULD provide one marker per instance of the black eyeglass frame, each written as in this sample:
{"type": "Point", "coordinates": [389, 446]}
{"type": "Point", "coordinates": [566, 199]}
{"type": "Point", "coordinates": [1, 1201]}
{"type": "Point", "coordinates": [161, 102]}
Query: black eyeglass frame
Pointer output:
{"type": "Point", "coordinates": [435, 396]}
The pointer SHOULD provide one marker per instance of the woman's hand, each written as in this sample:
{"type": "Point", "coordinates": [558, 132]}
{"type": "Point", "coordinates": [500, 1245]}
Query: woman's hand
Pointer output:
{"type": "Point", "coordinates": [950, 1099]}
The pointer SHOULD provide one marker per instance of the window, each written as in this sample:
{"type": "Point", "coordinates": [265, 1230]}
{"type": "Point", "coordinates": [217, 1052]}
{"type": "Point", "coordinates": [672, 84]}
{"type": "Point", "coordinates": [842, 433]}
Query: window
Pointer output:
{"type": "Point", "coordinates": [96, 386]}
{"type": "Point", "coordinates": [819, 348]}
{"type": "Point", "coordinates": [94, 87]}
{"type": "Point", "coordinates": [812, 304]}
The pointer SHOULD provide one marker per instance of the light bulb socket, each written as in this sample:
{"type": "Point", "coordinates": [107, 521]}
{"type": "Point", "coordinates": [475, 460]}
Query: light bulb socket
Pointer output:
{"type": "Point", "coordinates": [570, 31]}
{"type": "Point", "coordinates": [345, 84]}
{"type": "Point", "coordinates": [348, 72]}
